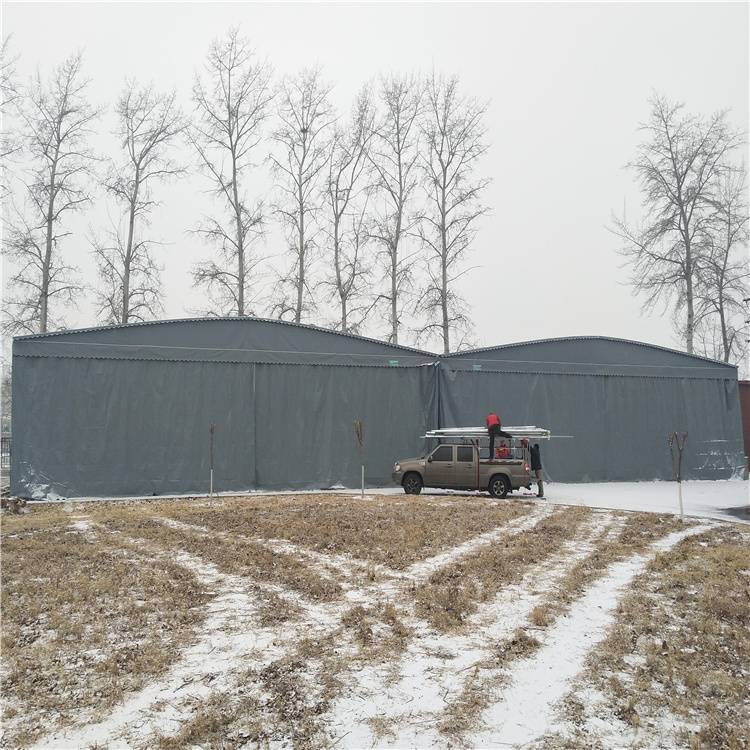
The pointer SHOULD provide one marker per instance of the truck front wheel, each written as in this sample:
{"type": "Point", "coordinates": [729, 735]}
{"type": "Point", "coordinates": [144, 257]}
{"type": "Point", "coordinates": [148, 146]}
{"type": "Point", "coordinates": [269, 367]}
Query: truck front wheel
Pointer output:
{"type": "Point", "coordinates": [412, 483]}
{"type": "Point", "coordinates": [499, 486]}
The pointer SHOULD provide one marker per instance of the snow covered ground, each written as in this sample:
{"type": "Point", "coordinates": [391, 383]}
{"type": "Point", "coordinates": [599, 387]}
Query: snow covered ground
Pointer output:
{"type": "Point", "coordinates": [449, 685]}
{"type": "Point", "coordinates": [705, 499]}
{"type": "Point", "coordinates": [727, 500]}
{"type": "Point", "coordinates": [722, 499]}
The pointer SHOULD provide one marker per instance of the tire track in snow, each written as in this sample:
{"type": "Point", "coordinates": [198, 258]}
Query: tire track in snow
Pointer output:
{"type": "Point", "coordinates": [228, 640]}
{"type": "Point", "coordinates": [328, 566]}
{"type": "Point", "coordinates": [424, 568]}
{"type": "Point", "coordinates": [435, 666]}
{"type": "Point", "coordinates": [525, 711]}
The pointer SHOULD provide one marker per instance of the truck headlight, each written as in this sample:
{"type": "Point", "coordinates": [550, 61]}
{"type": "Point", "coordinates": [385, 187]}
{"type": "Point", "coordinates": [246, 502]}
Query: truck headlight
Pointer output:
{"type": "Point", "coordinates": [397, 467]}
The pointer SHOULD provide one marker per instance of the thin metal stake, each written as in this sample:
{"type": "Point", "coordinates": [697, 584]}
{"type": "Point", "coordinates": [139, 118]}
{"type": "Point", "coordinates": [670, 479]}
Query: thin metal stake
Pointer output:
{"type": "Point", "coordinates": [211, 460]}
{"type": "Point", "coordinates": [359, 432]}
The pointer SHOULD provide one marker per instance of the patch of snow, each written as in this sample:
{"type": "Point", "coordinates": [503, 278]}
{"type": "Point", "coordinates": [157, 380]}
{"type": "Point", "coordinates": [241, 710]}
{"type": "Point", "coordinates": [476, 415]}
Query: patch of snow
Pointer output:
{"type": "Point", "coordinates": [436, 666]}
{"type": "Point", "coordinates": [525, 711]}
{"type": "Point", "coordinates": [422, 569]}
{"type": "Point", "coordinates": [229, 641]}
{"type": "Point", "coordinates": [701, 499]}
{"type": "Point", "coordinates": [80, 524]}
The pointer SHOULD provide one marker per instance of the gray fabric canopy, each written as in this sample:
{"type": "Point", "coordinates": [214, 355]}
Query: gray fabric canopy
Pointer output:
{"type": "Point", "coordinates": [126, 410]}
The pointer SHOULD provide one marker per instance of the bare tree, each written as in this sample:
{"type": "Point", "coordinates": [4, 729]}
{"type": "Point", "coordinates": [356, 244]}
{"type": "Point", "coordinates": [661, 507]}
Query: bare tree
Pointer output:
{"type": "Point", "coordinates": [231, 107]}
{"type": "Point", "coordinates": [394, 154]}
{"type": "Point", "coordinates": [58, 120]}
{"type": "Point", "coordinates": [148, 125]}
{"type": "Point", "coordinates": [453, 132]}
{"type": "Point", "coordinates": [9, 100]}
{"type": "Point", "coordinates": [677, 167]}
{"type": "Point", "coordinates": [6, 396]}
{"type": "Point", "coordinates": [723, 276]}
{"type": "Point", "coordinates": [305, 116]}
{"type": "Point", "coordinates": [346, 193]}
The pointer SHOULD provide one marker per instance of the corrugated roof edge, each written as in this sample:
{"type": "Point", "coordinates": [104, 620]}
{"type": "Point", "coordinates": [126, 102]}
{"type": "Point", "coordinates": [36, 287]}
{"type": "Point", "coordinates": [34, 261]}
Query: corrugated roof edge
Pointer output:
{"type": "Point", "coordinates": [469, 352]}
{"type": "Point", "coordinates": [223, 318]}
{"type": "Point", "coordinates": [466, 352]}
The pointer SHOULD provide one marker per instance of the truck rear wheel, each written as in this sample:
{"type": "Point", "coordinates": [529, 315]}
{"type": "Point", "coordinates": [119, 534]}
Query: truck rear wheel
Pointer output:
{"type": "Point", "coordinates": [412, 483]}
{"type": "Point", "coordinates": [499, 486]}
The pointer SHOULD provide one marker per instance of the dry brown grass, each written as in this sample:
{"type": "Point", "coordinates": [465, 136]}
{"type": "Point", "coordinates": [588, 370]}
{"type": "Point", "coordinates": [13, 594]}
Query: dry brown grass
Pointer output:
{"type": "Point", "coordinates": [35, 517]}
{"type": "Point", "coordinates": [84, 622]}
{"type": "Point", "coordinates": [392, 531]}
{"type": "Point", "coordinates": [230, 555]}
{"type": "Point", "coordinates": [217, 724]}
{"type": "Point", "coordinates": [283, 703]}
{"type": "Point", "coordinates": [462, 715]}
{"type": "Point", "coordinates": [287, 701]}
{"type": "Point", "coordinates": [454, 592]}
{"type": "Point", "coordinates": [639, 531]}
{"type": "Point", "coordinates": [684, 626]}
{"type": "Point", "coordinates": [378, 631]}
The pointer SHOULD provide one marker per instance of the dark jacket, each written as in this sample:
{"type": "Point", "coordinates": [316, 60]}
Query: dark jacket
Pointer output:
{"type": "Point", "coordinates": [536, 458]}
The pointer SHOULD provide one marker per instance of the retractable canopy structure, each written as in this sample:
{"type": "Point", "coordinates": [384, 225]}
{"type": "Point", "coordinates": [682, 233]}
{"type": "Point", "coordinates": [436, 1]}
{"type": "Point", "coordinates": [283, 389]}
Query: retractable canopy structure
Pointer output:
{"type": "Point", "coordinates": [126, 410]}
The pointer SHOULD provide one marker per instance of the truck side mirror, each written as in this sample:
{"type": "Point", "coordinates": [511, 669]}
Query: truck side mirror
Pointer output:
{"type": "Point", "coordinates": [429, 459]}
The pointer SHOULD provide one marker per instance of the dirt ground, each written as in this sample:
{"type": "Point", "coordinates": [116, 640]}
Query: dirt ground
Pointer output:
{"type": "Point", "coordinates": [333, 621]}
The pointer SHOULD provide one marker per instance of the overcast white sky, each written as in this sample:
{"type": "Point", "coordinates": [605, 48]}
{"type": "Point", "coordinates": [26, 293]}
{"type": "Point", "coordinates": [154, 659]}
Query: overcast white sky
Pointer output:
{"type": "Point", "coordinates": [567, 83]}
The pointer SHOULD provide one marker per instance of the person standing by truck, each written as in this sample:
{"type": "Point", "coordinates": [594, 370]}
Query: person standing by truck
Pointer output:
{"type": "Point", "coordinates": [494, 429]}
{"type": "Point", "coordinates": [536, 467]}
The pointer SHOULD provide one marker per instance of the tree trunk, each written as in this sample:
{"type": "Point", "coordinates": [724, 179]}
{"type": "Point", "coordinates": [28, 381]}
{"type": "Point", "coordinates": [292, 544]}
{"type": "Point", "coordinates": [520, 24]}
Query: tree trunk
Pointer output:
{"type": "Point", "coordinates": [724, 332]}
{"type": "Point", "coordinates": [690, 326]}
{"type": "Point", "coordinates": [125, 315]}
{"type": "Point", "coordinates": [394, 294]}
{"type": "Point", "coordinates": [44, 288]}
{"type": "Point", "coordinates": [301, 251]}
{"type": "Point", "coordinates": [240, 239]}
{"type": "Point", "coordinates": [444, 273]}
{"type": "Point", "coordinates": [337, 267]}
{"type": "Point", "coordinates": [394, 267]}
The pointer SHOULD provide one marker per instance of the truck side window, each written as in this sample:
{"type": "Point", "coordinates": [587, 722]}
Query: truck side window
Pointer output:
{"type": "Point", "coordinates": [465, 453]}
{"type": "Point", "coordinates": [443, 453]}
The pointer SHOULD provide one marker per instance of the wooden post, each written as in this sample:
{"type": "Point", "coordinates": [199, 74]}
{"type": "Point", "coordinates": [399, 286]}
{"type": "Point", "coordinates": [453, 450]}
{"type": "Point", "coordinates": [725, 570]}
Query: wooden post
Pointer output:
{"type": "Point", "coordinates": [677, 441]}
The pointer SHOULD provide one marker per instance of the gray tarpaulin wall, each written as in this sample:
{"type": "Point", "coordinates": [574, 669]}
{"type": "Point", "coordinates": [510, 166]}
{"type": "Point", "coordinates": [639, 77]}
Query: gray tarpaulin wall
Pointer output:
{"type": "Point", "coordinates": [126, 410]}
{"type": "Point", "coordinates": [618, 399]}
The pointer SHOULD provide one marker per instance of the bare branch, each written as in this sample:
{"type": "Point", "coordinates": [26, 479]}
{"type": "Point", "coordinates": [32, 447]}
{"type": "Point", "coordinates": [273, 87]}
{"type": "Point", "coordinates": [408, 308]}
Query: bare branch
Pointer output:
{"type": "Point", "coordinates": [57, 120]}
{"type": "Point", "coordinates": [305, 118]}
{"type": "Point", "coordinates": [232, 105]}
{"type": "Point", "coordinates": [394, 157]}
{"type": "Point", "coordinates": [148, 124]}
{"type": "Point", "coordinates": [678, 166]}
{"type": "Point", "coordinates": [453, 135]}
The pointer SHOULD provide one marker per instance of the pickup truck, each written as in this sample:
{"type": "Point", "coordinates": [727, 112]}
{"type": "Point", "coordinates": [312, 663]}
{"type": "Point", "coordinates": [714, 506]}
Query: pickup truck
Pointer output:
{"type": "Point", "coordinates": [459, 467]}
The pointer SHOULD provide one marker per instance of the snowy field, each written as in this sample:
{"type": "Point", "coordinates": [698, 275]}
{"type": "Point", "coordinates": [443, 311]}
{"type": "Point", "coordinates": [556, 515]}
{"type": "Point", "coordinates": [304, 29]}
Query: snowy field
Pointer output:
{"type": "Point", "coordinates": [723, 499]}
{"type": "Point", "coordinates": [321, 620]}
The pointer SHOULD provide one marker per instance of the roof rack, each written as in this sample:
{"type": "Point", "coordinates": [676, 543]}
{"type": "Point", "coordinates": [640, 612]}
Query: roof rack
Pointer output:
{"type": "Point", "coordinates": [524, 431]}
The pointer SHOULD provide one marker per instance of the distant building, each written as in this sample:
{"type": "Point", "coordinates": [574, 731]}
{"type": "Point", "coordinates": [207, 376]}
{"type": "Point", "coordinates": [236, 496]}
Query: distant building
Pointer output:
{"type": "Point", "coordinates": [744, 386]}
{"type": "Point", "coordinates": [126, 410]}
